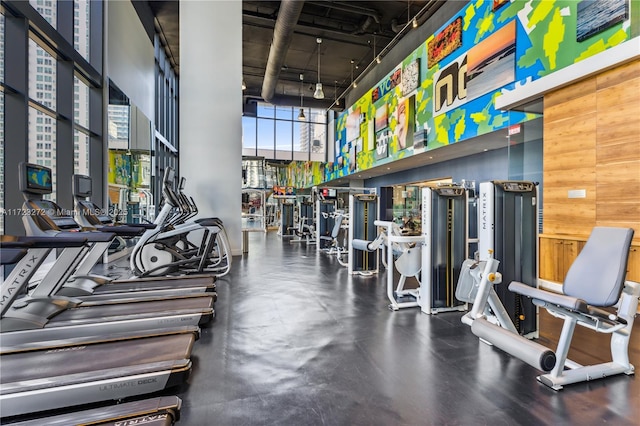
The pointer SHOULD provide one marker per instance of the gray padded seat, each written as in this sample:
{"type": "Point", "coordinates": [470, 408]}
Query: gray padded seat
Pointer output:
{"type": "Point", "coordinates": [595, 278]}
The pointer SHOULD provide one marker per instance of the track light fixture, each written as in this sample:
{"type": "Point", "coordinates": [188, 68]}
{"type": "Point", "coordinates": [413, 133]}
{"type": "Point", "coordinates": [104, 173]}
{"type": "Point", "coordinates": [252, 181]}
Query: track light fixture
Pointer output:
{"type": "Point", "coordinates": [352, 62]}
{"type": "Point", "coordinates": [319, 93]}
{"type": "Point", "coordinates": [301, 116]}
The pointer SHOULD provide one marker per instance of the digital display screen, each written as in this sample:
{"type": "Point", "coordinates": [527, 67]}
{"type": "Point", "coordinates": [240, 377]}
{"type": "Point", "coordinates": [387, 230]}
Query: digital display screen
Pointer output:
{"type": "Point", "coordinates": [38, 179]}
{"type": "Point", "coordinates": [82, 186]}
{"type": "Point", "coordinates": [50, 209]}
{"type": "Point", "coordinates": [329, 193]}
{"type": "Point", "coordinates": [169, 176]}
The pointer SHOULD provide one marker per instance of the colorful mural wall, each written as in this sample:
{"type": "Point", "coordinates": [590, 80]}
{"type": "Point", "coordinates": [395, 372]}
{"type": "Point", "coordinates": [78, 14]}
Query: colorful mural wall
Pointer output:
{"type": "Point", "coordinates": [444, 92]}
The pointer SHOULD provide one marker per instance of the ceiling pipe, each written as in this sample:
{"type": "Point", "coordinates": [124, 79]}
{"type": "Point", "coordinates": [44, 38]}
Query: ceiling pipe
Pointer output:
{"type": "Point", "coordinates": [311, 30]}
{"type": "Point", "coordinates": [362, 29]}
{"type": "Point", "coordinates": [345, 7]}
{"type": "Point", "coordinates": [282, 34]}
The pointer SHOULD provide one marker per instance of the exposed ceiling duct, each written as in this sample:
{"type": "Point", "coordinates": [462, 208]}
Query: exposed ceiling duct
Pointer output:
{"type": "Point", "coordinates": [350, 8]}
{"type": "Point", "coordinates": [288, 16]}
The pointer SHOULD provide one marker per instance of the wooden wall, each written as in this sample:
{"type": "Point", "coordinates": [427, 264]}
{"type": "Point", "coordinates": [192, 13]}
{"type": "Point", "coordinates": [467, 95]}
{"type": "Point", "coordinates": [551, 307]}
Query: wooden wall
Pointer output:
{"type": "Point", "coordinates": [592, 142]}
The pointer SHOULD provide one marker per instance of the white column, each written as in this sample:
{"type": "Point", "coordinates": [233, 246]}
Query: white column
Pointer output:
{"type": "Point", "coordinates": [211, 110]}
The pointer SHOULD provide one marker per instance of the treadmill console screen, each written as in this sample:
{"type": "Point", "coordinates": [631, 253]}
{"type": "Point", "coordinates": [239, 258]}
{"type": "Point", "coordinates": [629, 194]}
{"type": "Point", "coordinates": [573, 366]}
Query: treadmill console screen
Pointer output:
{"type": "Point", "coordinates": [36, 179]}
{"type": "Point", "coordinates": [59, 216]}
{"type": "Point", "coordinates": [82, 186]}
{"type": "Point", "coordinates": [169, 176]}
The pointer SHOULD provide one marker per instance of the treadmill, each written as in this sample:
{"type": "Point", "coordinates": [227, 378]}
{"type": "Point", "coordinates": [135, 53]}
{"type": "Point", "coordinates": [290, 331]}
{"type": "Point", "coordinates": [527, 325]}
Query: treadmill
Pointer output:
{"type": "Point", "coordinates": [29, 322]}
{"type": "Point", "coordinates": [51, 379]}
{"type": "Point", "coordinates": [160, 411]}
{"type": "Point", "coordinates": [47, 218]}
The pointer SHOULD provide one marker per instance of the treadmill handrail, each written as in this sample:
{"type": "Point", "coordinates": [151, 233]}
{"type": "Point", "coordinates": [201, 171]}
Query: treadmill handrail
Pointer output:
{"type": "Point", "coordinates": [73, 240]}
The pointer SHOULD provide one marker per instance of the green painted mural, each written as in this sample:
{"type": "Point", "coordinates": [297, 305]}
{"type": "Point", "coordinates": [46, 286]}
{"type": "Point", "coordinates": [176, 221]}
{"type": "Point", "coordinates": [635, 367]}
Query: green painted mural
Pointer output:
{"type": "Point", "coordinates": [418, 108]}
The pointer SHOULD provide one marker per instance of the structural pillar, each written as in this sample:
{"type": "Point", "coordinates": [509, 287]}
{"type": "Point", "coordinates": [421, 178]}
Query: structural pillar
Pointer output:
{"type": "Point", "coordinates": [211, 110]}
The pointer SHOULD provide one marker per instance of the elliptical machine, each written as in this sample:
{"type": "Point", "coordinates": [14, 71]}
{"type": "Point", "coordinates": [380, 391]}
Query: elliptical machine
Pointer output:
{"type": "Point", "coordinates": [169, 247]}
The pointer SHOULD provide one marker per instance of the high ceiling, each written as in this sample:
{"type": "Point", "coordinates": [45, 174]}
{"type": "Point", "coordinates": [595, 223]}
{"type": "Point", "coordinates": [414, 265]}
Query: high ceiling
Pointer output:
{"type": "Point", "coordinates": [350, 31]}
{"type": "Point", "coordinates": [353, 30]}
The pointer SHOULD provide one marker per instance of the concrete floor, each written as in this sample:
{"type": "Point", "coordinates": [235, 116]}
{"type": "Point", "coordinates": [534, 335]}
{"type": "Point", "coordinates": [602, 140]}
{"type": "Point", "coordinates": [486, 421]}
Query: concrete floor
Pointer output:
{"type": "Point", "coordinates": [297, 341]}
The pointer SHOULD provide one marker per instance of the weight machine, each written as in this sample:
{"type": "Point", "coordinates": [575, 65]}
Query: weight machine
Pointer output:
{"type": "Point", "coordinates": [508, 228]}
{"type": "Point", "coordinates": [445, 226]}
{"type": "Point", "coordinates": [432, 258]}
{"type": "Point", "coordinates": [363, 213]}
{"type": "Point", "coordinates": [595, 295]}
{"type": "Point", "coordinates": [305, 229]}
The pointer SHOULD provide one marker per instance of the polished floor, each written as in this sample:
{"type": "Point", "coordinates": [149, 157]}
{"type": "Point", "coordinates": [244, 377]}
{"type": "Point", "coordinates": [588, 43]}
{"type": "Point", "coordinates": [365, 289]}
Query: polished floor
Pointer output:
{"type": "Point", "coordinates": [297, 341]}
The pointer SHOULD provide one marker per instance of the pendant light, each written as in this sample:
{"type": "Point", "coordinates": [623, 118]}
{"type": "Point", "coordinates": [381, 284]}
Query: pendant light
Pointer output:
{"type": "Point", "coordinates": [318, 94]}
{"type": "Point", "coordinates": [301, 116]}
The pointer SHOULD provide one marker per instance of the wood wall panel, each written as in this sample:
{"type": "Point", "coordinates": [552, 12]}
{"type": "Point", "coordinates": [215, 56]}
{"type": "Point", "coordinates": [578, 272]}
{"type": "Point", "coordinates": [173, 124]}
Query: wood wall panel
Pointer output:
{"type": "Point", "coordinates": [618, 152]}
{"type": "Point", "coordinates": [618, 147]}
{"type": "Point", "coordinates": [575, 135]}
{"type": "Point", "coordinates": [622, 73]}
{"type": "Point", "coordinates": [573, 108]}
{"type": "Point", "coordinates": [618, 212]}
{"type": "Point", "coordinates": [569, 93]}
{"type": "Point", "coordinates": [580, 161]}
{"type": "Point", "coordinates": [569, 219]}
{"type": "Point", "coordinates": [618, 182]}
{"type": "Point", "coordinates": [618, 127]}
{"type": "Point", "coordinates": [612, 96]}
{"type": "Point", "coordinates": [592, 142]}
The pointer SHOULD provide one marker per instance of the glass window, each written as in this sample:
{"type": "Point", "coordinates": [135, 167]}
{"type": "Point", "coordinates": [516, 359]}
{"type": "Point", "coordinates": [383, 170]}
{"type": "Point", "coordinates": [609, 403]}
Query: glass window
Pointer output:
{"type": "Point", "coordinates": [305, 139]}
{"type": "Point", "coordinates": [2, 47]}
{"type": "Point", "coordinates": [1, 162]}
{"type": "Point", "coordinates": [284, 113]}
{"type": "Point", "coordinates": [317, 116]}
{"type": "Point", "coordinates": [302, 136]}
{"type": "Point", "coordinates": [44, 97]}
{"type": "Point", "coordinates": [265, 134]}
{"type": "Point", "coordinates": [318, 138]}
{"type": "Point", "coordinates": [47, 9]}
{"type": "Point", "coordinates": [81, 104]}
{"type": "Point", "coordinates": [1, 124]}
{"type": "Point", "coordinates": [249, 135]}
{"type": "Point", "coordinates": [118, 128]}
{"type": "Point", "coordinates": [300, 139]}
{"type": "Point", "coordinates": [49, 151]}
{"type": "Point", "coordinates": [265, 111]}
{"type": "Point", "coordinates": [284, 135]}
{"type": "Point", "coordinates": [80, 152]}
